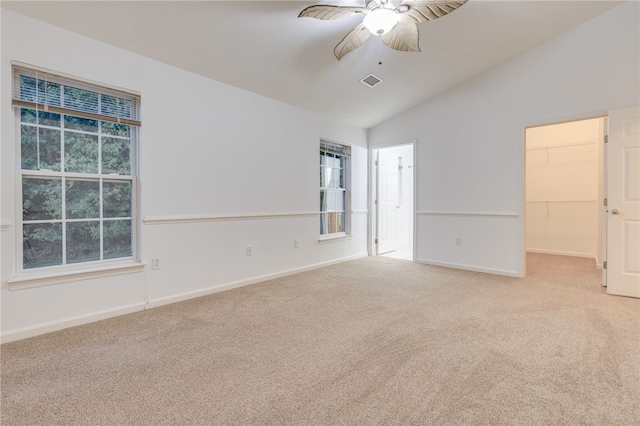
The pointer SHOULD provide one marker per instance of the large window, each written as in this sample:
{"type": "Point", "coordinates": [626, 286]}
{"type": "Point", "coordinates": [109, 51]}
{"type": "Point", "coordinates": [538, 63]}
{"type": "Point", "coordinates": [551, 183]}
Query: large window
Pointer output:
{"type": "Point", "coordinates": [334, 188]}
{"type": "Point", "coordinates": [77, 170]}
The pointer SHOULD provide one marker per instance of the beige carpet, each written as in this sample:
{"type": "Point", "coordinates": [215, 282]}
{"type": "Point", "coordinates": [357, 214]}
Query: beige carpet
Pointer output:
{"type": "Point", "coordinates": [372, 341]}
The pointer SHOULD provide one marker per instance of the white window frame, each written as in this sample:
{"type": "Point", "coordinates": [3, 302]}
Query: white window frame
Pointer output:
{"type": "Point", "coordinates": [344, 151]}
{"type": "Point", "coordinates": [35, 276]}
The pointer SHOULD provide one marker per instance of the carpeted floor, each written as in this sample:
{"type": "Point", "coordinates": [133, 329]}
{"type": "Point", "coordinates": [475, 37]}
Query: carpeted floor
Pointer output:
{"type": "Point", "coordinates": [372, 341]}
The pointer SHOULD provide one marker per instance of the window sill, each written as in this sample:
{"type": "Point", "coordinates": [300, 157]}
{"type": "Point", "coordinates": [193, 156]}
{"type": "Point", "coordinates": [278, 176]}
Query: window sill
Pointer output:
{"type": "Point", "coordinates": [332, 238]}
{"type": "Point", "coordinates": [31, 279]}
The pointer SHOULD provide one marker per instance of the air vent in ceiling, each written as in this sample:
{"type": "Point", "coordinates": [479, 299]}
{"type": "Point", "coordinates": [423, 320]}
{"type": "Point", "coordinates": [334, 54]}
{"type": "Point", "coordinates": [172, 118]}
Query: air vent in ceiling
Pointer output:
{"type": "Point", "coordinates": [371, 80]}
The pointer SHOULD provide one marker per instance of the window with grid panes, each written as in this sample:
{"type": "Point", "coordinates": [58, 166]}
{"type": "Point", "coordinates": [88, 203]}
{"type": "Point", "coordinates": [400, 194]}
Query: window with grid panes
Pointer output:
{"type": "Point", "coordinates": [334, 188]}
{"type": "Point", "coordinates": [77, 174]}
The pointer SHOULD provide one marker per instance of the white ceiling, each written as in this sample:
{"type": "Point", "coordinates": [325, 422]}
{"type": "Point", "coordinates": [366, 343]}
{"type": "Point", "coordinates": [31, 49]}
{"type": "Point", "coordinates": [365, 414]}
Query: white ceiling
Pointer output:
{"type": "Point", "coordinates": [263, 47]}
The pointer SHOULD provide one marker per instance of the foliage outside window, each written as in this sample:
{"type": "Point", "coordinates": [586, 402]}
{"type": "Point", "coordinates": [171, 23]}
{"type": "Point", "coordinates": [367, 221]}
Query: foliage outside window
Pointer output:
{"type": "Point", "coordinates": [77, 171]}
{"type": "Point", "coordinates": [334, 187]}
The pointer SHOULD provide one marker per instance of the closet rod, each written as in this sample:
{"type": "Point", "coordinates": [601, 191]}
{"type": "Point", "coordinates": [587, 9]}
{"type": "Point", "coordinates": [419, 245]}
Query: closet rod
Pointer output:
{"type": "Point", "coordinates": [562, 146]}
{"type": "Point", "coordinates": [563, 201]}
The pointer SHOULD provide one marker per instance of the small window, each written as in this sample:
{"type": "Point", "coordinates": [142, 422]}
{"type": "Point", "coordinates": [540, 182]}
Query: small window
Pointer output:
{"type": "Point", "coordinates": [334, 188]}
{"type": "Point", "coordinates": [77, 170]}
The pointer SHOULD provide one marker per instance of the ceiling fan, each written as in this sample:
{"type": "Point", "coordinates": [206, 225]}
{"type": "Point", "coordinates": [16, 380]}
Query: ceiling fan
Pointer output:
{"type": "Point", "coordinates": [395, 24]}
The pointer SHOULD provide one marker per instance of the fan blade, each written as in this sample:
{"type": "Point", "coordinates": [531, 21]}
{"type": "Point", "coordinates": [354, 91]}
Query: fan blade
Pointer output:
{"type": "Point", "coordinates": [403, 37]}
{"type": "Point", "coordinates": [327, 12]}
{"type": "Point", "coordinates": [428, 10]}
{"type": "Point", "coordinates": [352, 41]}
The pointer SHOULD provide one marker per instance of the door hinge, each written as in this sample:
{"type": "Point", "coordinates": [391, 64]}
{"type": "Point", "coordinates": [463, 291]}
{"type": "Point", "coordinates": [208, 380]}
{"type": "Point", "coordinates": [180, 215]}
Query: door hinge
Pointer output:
{"type": "Point", "coordinates": [606, 138]}
{"type": "Point", "coordinates": [604, 264]}
{"type": "Point", "coordinates": [377, 242]}
{"type": "Point", "coordinates": [376, 202]}
{"type": "Point", "coordinates": [376, 162]}
{"type": "Point", "coordinates": [606, 202]}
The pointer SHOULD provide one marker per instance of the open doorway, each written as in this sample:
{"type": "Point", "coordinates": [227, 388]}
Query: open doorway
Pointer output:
{"type": "Point", "coordinates": [565, 189]}
{"type": "Point", "coordinates": [394, 201]}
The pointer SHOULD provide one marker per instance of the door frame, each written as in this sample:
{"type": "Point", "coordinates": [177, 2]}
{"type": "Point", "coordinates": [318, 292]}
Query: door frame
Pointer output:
{"type": "Point", "coordinates": [523, 186]}
{"type": "Point", "coordinates": [373, 187]}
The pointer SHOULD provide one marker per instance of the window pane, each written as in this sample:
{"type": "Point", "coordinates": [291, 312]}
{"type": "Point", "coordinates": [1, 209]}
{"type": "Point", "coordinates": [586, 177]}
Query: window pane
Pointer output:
{"type": "Point", "coordinates": [117, 199]}
{"type": "Point", "coordinates": [115, 129]}
{"type": "Point", "coordinates": [41, 199]}
{"type": "Point", "coordinates": [331, 223]}
{"type": "Point", "coordinates": [82, 199]}
{"type": "Point", "coordinates": [83, 241]}
{"type": "Point", "coordinates": [28, 147]}
{"type": "Point", "coordinates": [116, 157]}
{"type": "Point", "coordinates": [335, 178]}
{"type": "Point", "coordinates": [339, 222]}
{"type": "Point", "coordinates": [326, 177]}
{"type": "Point", "coordinates": [323, 223]}
{"type": "Point", "coordinates": [41, 244]}
{"type": "Point", "coordinates": [117, 239]}
{"type": "Point", "coordinates": [49, 143]}
{"type": "Point", "coordinates": [80, 99]}
{"type": "Point", "coordinates": [116, 107]}
{"type": "Point", "coordinates": [80, 152]}
{"type": "Point", "coordinates": [337, 201]}
{"type": "Point", "coordinates": [323, 201]}
{"type": "Point", "coordinates": [48, 92]}
{"type": "Point", "coordinates": [48, 119]}
{"type": "Point", "coordinates": [27, 88]}
{"type": "Point", "coordinates": [27, 115]}
{"type": "Point", "coordinates": [77, 123]}
{"type": "Point", "coordinates": [334, 200]}
{"type": "Point", "coordinates": [335, 222]}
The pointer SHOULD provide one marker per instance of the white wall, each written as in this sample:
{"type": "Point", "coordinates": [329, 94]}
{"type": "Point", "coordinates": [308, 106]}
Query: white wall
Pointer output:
{"type": "Point", "coordinates": [562, 199]}
{"type": "Point", "coordinates": [470, 141]}
{"type": "Point", "coordinates": [207, 149]}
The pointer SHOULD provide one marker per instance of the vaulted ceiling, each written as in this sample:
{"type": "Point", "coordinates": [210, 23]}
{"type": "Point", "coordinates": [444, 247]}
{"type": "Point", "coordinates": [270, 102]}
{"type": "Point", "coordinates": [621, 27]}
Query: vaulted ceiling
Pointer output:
{"type": "Point", "coordinates": [263, 47]}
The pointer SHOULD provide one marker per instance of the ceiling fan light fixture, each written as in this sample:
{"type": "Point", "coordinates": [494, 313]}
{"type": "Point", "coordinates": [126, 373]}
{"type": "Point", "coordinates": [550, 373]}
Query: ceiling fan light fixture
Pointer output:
{"type": "Point", "coordinates": [394, 21]}
{"type": "Point", "coordinates": [380, 21]}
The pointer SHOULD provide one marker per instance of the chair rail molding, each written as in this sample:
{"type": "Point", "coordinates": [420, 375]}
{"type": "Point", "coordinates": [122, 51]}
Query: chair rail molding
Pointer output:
{"type": "Point", "coordinates": [161, 220]}
{"type": "Point", "coordinates": [466, 213]}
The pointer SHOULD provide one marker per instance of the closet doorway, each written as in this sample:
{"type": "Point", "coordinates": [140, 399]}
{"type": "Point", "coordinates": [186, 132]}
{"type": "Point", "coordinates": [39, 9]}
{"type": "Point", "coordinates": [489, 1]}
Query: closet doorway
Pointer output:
{"type": "Point", "coordinates": [394, 201]}
{"type": "Point", "coordinates": [565, 189]}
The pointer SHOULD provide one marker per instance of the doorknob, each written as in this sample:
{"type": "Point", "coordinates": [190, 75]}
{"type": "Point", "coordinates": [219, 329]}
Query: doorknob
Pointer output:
{"type": "Point", "coordinates": [615, 211]}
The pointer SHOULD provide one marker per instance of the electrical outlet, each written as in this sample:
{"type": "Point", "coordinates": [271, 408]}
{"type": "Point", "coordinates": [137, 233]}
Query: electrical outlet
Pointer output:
{"type": "Point", "coordinates": [458, 241]}
{"type": "Point", "coordinates": [296, 244]}
{"type": "Point", "coordinates": [155, 263]}
{"type": "Point", "coordinates": [249, 250]}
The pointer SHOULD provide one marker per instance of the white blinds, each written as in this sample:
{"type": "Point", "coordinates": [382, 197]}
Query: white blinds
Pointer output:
{"type": "Point", "coordinates": [44, 91]}
{"type": "Point", "coordinates": [334, 148]}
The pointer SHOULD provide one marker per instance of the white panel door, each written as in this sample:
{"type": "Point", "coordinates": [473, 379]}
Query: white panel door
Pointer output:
{"type": "Point", "coordinates": [387, 202]}
{"type": "Point", "coordinates": [623, 216]}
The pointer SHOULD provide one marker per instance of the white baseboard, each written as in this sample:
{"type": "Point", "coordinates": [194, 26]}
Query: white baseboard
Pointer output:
{"type": "Point", "coordinates": [562, 253]}
{"type": "Point", "coordinates": [154, 303]}
{"type": "Point", "coordinates": [470, 268]}
{"type": "Point", "coordinates": [36, 330]}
